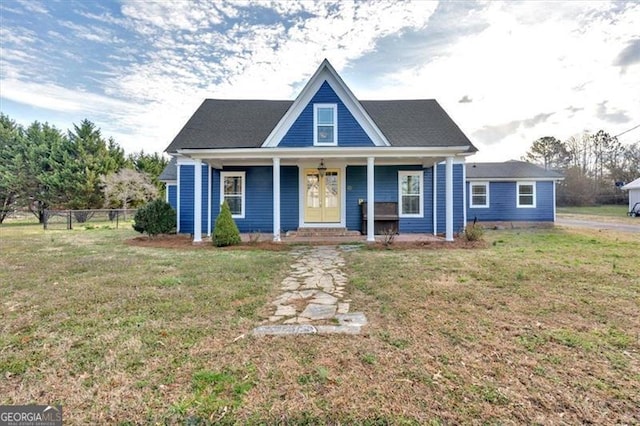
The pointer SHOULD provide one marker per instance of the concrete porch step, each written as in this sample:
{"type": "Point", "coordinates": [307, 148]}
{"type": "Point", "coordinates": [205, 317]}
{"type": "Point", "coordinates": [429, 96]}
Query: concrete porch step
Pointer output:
{"type": "Point", "coordinates": [324, 232]}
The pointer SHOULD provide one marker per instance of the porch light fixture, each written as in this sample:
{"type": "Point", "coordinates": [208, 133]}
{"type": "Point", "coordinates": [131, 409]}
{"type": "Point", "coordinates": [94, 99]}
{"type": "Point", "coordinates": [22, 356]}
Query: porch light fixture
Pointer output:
{"type": "Point", "coordinates": [322, 169]}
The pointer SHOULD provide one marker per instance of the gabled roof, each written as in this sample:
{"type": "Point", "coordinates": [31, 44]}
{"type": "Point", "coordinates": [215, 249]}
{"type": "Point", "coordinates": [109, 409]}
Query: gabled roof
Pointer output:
{"type": "Point", "coordinates": [234, 123]}
{"type": "Point", "coordinates": [633, 185]}
{"type": "Point", "coordinates": [509, 170]}
{"type": "Point", "coordinates": [170, 172]}
{"type": "Point", "coordinates": [326, 73]}
{"type": "Point", "coordinates": [220, 124]}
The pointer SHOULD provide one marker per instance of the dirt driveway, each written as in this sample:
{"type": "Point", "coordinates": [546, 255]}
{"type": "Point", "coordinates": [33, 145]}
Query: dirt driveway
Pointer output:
{"type": "Point", "coordinates": [603, 225]}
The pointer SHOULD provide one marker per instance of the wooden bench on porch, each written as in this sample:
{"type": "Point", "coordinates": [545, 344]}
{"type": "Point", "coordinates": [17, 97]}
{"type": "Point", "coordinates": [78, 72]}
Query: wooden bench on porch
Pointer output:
{"type": "Point", "coordinates": [385, 217]}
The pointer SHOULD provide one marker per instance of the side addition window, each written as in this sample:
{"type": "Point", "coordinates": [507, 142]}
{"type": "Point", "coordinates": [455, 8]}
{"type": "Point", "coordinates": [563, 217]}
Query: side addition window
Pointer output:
{"type": "Point", "coordinates": [232, 190]}
{"type": "Point", "coordinates": [410, 193]}
{"type": "Point", "coordinates": [526, 194]}
{"type": "Point", "coordinates": [325, 124]}
{"type": "Point", "coordinates": [479, 194]}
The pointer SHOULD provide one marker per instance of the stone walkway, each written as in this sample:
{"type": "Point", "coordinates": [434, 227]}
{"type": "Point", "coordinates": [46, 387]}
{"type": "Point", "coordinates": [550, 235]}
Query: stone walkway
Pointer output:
{"type": "Point", "coordinates": [313, 299]}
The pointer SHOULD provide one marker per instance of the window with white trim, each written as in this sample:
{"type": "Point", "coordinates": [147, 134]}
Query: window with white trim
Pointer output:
{"type": "Point", "coordinates": [526, 196]}
{"type": "Point", "coordinates": [232, 190]}
{"type": "Point", "coordinates": [479, 194]}
{"type": "Point", "coordinates": [410, 193]}
{"type": "Point", "coordinates": [325, 124]}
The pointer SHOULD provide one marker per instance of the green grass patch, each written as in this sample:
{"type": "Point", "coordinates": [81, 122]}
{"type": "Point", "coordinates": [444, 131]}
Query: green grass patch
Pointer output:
{"type": "Point", "coordinates": [610, 210]}
{"type": "Point", "coordinates": [122, 333]}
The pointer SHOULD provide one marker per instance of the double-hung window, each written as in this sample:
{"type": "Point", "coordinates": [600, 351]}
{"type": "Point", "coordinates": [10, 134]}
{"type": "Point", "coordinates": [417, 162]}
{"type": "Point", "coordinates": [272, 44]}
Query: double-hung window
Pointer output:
{"type": "Point", "coordinates": [325, 124]}
{"type": "Point", "coordinates": [479, 194]}
{"type": "Point", "coordinates": [410, 193]}
{"type": "Point", "coordinates": [232, 190]}
{"type": "Point", "coordinates": [526, 195]}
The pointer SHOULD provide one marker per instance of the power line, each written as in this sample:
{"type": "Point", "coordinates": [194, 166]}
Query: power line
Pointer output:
{"type": "Point", "coordinates": [627, 131]}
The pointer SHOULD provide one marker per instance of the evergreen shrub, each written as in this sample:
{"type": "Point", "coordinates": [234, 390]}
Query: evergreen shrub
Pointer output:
{"type": "Point", "coordinates": [154, 218]}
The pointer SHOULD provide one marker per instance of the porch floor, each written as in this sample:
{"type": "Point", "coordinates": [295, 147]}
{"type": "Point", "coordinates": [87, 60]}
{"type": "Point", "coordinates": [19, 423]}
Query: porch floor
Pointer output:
{"type": "Point", "coordinates": [295, 239]}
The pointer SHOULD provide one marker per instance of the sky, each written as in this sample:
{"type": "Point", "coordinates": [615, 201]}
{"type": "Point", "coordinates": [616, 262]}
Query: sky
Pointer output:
{"type": "Point", "coordinates": [507, 73]}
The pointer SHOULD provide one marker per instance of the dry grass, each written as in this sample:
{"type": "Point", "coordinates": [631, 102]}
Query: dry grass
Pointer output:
{"type": "Point", "coordinates": [537, 327]}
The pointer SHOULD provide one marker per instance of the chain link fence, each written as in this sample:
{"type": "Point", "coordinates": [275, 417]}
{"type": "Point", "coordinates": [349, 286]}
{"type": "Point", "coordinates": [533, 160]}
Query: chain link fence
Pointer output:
{"type": "Point", "coordinates": [95, 218]}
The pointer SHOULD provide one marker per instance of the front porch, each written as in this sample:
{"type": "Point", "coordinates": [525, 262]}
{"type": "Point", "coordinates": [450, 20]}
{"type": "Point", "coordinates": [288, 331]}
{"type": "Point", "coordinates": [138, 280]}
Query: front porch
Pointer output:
{"type": "Point", "coordinates": [284, 189]}
{"type": "Point", "coordinates": [353, 237]}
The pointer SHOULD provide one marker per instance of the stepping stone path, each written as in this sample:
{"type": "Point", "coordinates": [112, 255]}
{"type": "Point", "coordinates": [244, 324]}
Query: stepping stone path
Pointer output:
{"type": "Point", "coordinates": [313, 299]}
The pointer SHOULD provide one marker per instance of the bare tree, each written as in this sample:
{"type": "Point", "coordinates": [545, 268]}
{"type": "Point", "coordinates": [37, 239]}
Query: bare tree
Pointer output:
{"type": "Point", "coordinates": [128, 188]}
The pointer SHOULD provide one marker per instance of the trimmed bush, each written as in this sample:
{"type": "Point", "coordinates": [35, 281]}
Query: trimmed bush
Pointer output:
{"type": "Point", "coordinates": [473, 232]}
{"type": "Point", "coordinates": [156, 217]}
{"type": "Point", "coordinates": [225, 232]}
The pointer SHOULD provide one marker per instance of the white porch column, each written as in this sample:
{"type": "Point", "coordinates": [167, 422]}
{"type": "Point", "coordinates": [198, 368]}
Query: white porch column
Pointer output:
{"type": "Point", "coordinates": [197, 202]}
{"type": "Point", "coordinates": [276, 199]}
{"type": "Point", "coordinates": [435, 199]}
{"type": "Point", "coordinates": [370, 200]}
{"type": "Point", "coordinates": [449, 198]}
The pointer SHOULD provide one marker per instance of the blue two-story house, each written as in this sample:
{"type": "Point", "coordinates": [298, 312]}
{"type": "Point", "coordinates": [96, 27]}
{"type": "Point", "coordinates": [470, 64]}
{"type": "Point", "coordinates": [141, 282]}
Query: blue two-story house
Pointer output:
{"type": "Point", "coordinates": [314, 161]}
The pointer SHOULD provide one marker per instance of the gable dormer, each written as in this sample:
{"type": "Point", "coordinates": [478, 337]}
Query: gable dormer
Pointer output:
{"type": "Point", "coordinates": [326, 113]}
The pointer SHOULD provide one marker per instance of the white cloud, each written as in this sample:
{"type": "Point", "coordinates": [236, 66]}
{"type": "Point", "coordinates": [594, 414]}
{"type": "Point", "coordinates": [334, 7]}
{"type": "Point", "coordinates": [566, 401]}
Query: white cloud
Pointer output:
{"type": "Point", "coordinates": [526, 70]}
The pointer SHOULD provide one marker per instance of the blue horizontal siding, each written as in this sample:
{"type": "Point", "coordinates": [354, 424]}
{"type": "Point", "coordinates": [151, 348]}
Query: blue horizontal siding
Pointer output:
{"type": "Point", "coordinates": [503, 204]}
{"type": "Point", "coordinates": [289, 198]}
{"type": "Point", "coordinates": [186, 172]}
{"type": "Point", "coordinates": [458, 198]}
{"type": "Point", "coordinates": [386, 189]}
{"type": "Point", "coordinates": [172, 196]}
{"type": "Point", "coordinates": [204, 216]}
{"type": "Point", "coordinates": [259, 198]}
{"type": "Point", "coordinates": [186, 190]}
{"type": "Point", "coordinates": [350, 133]}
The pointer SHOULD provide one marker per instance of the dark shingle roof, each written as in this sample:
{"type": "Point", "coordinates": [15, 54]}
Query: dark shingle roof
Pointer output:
{"type": "Point", "coordinates": [509, 170]}
{"type": "Point", "coordinates": [420, 122]}
{"type": "Point", "coordinates": [247, 123]}
{"type": "Point", "coordinates": [170, 172]}
{"type": "Point", "coordinates": [220, 123]}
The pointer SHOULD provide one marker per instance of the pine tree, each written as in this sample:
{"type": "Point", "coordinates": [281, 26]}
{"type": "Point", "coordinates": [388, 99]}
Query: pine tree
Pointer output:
{"type": "Point", "coordinates": [225, 232]}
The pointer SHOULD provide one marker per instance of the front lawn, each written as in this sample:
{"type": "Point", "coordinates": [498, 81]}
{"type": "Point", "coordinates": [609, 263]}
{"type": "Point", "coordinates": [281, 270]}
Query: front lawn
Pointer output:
{"type": "Point", "coordinates": [603, 211]}
{"type": "Point", "coordinates": [540, 327]}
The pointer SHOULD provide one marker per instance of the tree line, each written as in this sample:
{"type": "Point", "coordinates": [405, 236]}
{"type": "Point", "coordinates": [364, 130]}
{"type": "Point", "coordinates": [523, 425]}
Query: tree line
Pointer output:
{"type": "Point", "coordinates": [594, 166]}
{"type": "Point", "coordinates": [43, 168]}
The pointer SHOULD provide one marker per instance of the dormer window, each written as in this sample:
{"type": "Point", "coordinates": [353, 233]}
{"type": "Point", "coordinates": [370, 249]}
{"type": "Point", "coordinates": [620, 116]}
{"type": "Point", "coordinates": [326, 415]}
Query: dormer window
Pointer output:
{"type": "Point", "coordinates": [325, 124]}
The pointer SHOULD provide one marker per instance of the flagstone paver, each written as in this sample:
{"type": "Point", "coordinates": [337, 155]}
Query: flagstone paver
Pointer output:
{"type": "Point", "coordinates": [313, 296]}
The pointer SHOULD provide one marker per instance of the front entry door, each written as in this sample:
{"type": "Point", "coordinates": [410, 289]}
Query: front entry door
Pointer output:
{"type": "Point", "coordinates": [322, 196]}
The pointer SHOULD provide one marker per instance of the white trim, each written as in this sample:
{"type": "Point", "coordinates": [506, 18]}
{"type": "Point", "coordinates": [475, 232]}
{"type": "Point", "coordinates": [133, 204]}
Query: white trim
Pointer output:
{"type": "Point", "coordinates": [449, 198]}
{"type": "Point", "coordinates": [343, 195]}
{"type": "Point", "coordinates": [512, 179]}
{"type": "Point", "coordinates": [242, 175]}
{"type": "Point", "coordinates": [166, 190]}
{"type": "Point", "coordinates": [178, 199]}
{"type": "Point", "coordinates": [554, 201]}
{"type": "Point", "coordinates": [276, 200]}
{"type": "Point", "coordinates": [197, 202]}
{"type": "Point", "coordinates": [525, 206]}
{"type": "Point", "coordinates": [486, 190]}
{"type": "Point", "coordinates": [435, 199]}
{"type": "Point", "coordinates": [184, 161]}
{"type": "Point", "coordinates": [371, 170]}
{"type": "Point", "coordinates": [326, 72]}
{"type": "Point", "coordinates": [464, 197]}
{"type": "Point", "coordinates": [328, 152]}
{"type": "Point", "coordinates": [315, 124]}
{"type": "Point", "coordinates": [401, 174]}
{"type": "Point", "coordinates": [209, 197]}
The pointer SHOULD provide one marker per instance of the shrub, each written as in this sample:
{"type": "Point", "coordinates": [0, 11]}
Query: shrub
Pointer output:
{"type": "Point", "coordinates": [473, 232]}
{"type": "Point", "coordinates": [156, 217]}
{"type": "Point", "coordinates": [225, 232]}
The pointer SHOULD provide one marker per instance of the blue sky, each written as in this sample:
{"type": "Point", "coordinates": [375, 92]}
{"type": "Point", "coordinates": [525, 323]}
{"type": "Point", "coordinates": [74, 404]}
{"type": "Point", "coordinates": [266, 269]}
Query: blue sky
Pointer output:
{"type": "Point", "coordinates": [507, 73]}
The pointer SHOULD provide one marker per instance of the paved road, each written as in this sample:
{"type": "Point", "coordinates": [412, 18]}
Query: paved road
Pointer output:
{"type": "Point", "coordinates": [594, 224]}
